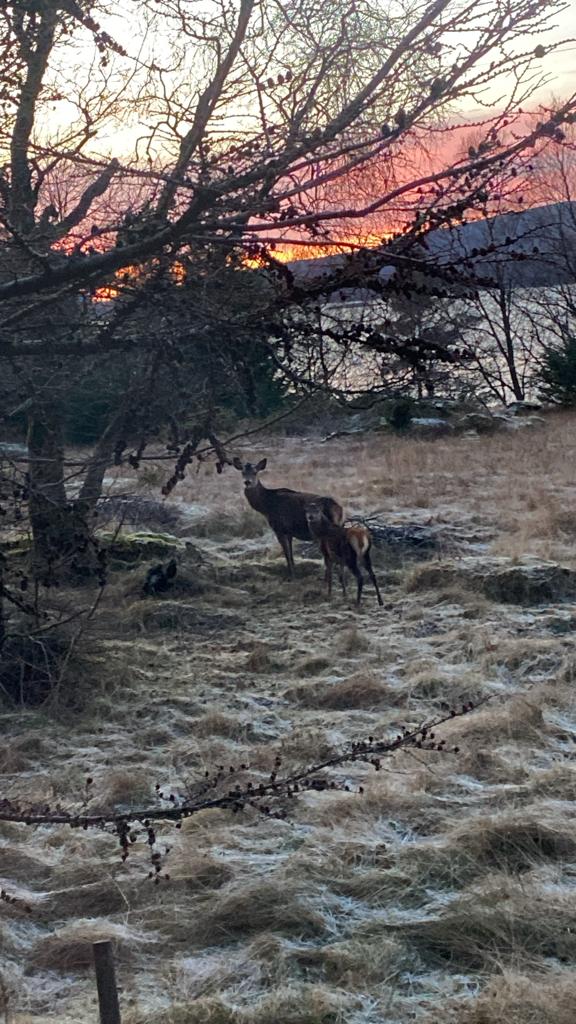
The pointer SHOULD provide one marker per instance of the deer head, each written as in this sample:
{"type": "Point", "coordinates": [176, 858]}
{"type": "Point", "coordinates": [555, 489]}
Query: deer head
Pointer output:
{"type": "Point", "coordinates": [249, 472]}
{"type": "Point", "coordinates": [318, 522]}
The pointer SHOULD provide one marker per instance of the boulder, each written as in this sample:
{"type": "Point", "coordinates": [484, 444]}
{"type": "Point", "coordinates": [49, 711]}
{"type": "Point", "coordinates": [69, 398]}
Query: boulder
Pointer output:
{"type": "Point", "coordinates": [15, 544]}
{"type": "Point", "coordinates": [138, 510]}
{"type": "Point", "coordinates": [523, 408]}
{"type": "Point", "coordinates": [128, 549]}
{"type": "Point", "coordinates": [13, 450]}
{"type": "Point", "coordinates": [444, 406]}
{"type": "Point", "coordinates": [430, 426]}
{"type": "Point", "coordinates": [524, 422]}
{"type": "Point", "coordinates": [481, 422]}
{"type": "Point", "coordinates": [342, 433]}
{"type": "Point", "coordinates": [503, 580]}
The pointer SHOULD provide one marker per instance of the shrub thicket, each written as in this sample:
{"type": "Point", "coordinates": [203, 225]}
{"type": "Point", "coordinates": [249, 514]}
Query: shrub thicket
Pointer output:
{"type": "Point", "coordinates": [558, 374]}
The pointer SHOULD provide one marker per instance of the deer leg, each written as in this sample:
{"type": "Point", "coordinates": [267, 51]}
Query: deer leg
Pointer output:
{"type": "Point", "coordinates": [329, 580]}
{"type": "Point", "coordinates": [290, 556]}
{"type": "Point", "coordinates": [370, 571]}
{"type": "Point", "coordinates": [352, 563]}
{"type": "Point", "coordinates": [285, 544]}
{"type": "Point", "coordinates": [328, 575]}
{"type": "Point", "coordinates": [342, 578]}
{"type": "Point", "coordinates": [360, 584]}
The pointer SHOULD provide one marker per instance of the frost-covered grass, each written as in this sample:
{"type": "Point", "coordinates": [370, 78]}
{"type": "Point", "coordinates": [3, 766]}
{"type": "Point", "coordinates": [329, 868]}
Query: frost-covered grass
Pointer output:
{"type": "Point", "coordinates": [445, 891]}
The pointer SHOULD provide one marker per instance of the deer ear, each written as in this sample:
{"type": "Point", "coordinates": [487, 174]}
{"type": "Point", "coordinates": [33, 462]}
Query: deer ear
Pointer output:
{"type": "Point", "coordinates": [237, 464]}
{"type": "Point", "coordinates": [261, 465]}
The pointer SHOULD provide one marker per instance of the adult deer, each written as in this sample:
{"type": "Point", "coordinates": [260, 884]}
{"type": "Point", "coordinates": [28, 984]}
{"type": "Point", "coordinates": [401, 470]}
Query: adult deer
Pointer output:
{"type": "Point", "coordinates": [347, 547]}
{"type": "Point", "coordinates": [284, 509]}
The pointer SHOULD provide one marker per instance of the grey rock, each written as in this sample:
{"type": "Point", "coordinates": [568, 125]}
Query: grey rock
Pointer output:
{"type": "Point", "coordinates": [13, 450]}
{"type": "Point", "coordinates": [430, 426]}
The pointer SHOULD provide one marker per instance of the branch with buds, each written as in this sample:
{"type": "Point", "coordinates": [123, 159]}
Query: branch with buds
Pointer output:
{"type": "Point", "coordinates": [218, 790]}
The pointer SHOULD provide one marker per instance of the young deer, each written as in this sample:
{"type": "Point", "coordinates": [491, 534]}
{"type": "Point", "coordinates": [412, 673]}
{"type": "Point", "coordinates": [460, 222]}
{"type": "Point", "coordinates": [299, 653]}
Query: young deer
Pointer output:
{"type": "Point", "coordinates": [346, 546]}
{"type": "Point", "coordinates": [284, 509]}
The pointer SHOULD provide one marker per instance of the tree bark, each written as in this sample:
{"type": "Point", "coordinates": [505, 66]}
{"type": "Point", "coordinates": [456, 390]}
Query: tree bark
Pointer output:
{"type": "Point", "coordinates": [98, 464]}
{"type": "Point", "coordinates": [61, 541]}
{"type": "Point", "coordinates": [504, 296]}
{"type": "Point", "coordinates": [2, 618]}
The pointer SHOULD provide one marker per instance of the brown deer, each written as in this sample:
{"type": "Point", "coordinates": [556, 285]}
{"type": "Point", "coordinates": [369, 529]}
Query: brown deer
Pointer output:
{"type": "Point", "coordinates": [347, 547]}
{"type": "Point", "coordinates": [284, 509]}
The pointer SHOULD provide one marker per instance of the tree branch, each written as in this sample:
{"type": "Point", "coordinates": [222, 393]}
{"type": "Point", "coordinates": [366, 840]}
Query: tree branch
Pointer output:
{"type": "Point", "coordinates": [21, 205]}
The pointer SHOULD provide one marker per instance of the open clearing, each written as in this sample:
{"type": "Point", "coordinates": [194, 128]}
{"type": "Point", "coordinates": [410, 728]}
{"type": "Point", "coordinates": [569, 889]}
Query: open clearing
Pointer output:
{"type": "Point", "coordinates": [447, 891]}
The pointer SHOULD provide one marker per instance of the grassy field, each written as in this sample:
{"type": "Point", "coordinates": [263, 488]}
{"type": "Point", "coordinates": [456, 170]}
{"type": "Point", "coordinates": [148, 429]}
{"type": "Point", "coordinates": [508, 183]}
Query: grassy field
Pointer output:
{"type": "Point", "coordinates": [446, 891]}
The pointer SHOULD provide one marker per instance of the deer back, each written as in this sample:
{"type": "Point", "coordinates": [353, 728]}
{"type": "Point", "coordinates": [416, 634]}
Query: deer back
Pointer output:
{"type": "Point", "coordinates": [344, 543]}
{"type": "Point", "coordinates": [286, 509]}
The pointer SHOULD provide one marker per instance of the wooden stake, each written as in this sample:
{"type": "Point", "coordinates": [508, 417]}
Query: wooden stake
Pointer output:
{"type": "Point", "coordinates": [106, 982]}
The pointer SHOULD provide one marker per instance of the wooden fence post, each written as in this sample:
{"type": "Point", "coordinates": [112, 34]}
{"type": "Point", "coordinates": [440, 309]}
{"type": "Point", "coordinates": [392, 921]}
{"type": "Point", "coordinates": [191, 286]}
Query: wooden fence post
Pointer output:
{"type": "Point", "coordinates": [106, 982]}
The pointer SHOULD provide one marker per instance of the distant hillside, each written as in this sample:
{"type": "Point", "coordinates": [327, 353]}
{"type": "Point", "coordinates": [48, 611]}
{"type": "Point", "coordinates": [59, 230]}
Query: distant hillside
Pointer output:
{"type": "Point", "coordinates": [529, 249]}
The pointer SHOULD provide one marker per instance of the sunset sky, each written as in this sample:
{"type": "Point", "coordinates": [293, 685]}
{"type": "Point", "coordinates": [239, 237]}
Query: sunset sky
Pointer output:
{"type": "Point", "coordinates": [119, 139]}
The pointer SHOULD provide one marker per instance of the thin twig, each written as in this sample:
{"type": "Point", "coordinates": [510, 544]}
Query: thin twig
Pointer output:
{"type": "Point", "coordinates": [370, 751]}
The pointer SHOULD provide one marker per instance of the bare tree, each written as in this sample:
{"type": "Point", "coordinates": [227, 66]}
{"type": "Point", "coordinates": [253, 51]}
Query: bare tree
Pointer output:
{"type": "Point", "coordinates": [235, 128]}
{"type": "Point", "coordinates": [502, 343]}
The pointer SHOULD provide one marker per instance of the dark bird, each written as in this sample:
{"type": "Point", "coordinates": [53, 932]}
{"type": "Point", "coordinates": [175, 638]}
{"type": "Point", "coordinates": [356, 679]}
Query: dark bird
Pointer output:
{"type": "Point", "coordinates": [160, 578]}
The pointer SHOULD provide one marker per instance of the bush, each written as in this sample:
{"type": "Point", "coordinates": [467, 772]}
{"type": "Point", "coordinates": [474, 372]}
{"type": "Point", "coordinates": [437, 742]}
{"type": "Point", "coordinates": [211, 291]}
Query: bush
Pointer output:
{"type": "Point", "coordinates": [30, 667]}
{"type": "Point", "coordinates": [48, 669]}
{"type": "Point", "coordinates": [240, 377]}
{"type": "Point", "coordinates": [400, 415]}
{"type": "Point", "coordinates": [558, 374]}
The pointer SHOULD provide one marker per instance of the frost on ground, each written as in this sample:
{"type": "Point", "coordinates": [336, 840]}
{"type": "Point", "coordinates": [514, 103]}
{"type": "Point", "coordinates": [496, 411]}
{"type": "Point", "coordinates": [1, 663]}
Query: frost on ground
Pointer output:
{"type": "Point", "coordinates": [447, 890]}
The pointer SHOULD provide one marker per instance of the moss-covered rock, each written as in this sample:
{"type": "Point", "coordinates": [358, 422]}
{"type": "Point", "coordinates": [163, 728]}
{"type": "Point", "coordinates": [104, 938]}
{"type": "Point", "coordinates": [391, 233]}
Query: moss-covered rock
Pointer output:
{"type": "Point", "coordinates": [129, 549]}
{"type": "Point", "coordinates": [16, 545]}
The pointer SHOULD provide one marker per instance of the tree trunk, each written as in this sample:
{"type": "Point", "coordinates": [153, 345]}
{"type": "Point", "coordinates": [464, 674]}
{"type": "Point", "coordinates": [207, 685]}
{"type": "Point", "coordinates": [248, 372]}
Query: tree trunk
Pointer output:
{"type": "Point", "coordinates": [504, 299]}
{"type": "Point", "coordinates": [98, 464]}
{"type": "Point", "coordinates": [61, 541]}
{"type": "Point", "coordinates": [2, 618]}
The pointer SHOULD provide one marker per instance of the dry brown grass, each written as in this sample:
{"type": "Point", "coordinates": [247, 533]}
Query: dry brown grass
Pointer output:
{"type": "Point", "coordinates": [100, 898]}
{"type": "Point", "coordinates": [173, 616]}
{"type": "Point", "coordinates": [295, 1004]}
{"type": "Point", "coordinates": [526, 656]}
{"type": "Point", "coordinates": [499, 921]}
{"type": "Point", "coordinates": [524, 999]}
{"type": "Point", "coordinates": [515, 843]}
{"type": "Point", "coordinates": [351, 642]}
{"type": "Point", "coordinates": [202, 1011]}
{"type": "Point", "coordinates": [123, 788]}
{"type": "Point", "coordinates": [505, 478]}
{"type": "Point", "coordinates": [70, 948]}
{"type": "Point", "coordinates": [257, 907]}
{"type": "Point", "coordinates": [361, 690]}
{"type": "Point", "coordinates": [451, 873]}
{"type": "Point", "coordinates": [21, 866]}
{"type": "Point", "coordinates": [261, 659]}
{"type": "Point", "coordinates": [517, 720]}
{"type": "Point", "coordinates": [296, 747]}
{"type": "Point", "coordinates": [197, 873]}
{"type": "Point", "coordinates": [300, 1004]}
{"type": "Point", "coordinates": [557, 783]}
{"type": "Point", "coordinates": [354, 964]}
{"type": "Point", "coordinates": [439, 686]}
{"type": "Point", "coordinates": [216, 723]}
{"type": "Point", "coordinates": [314, 665]}
{"type": "Point", "coordinates": [20, 753]}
